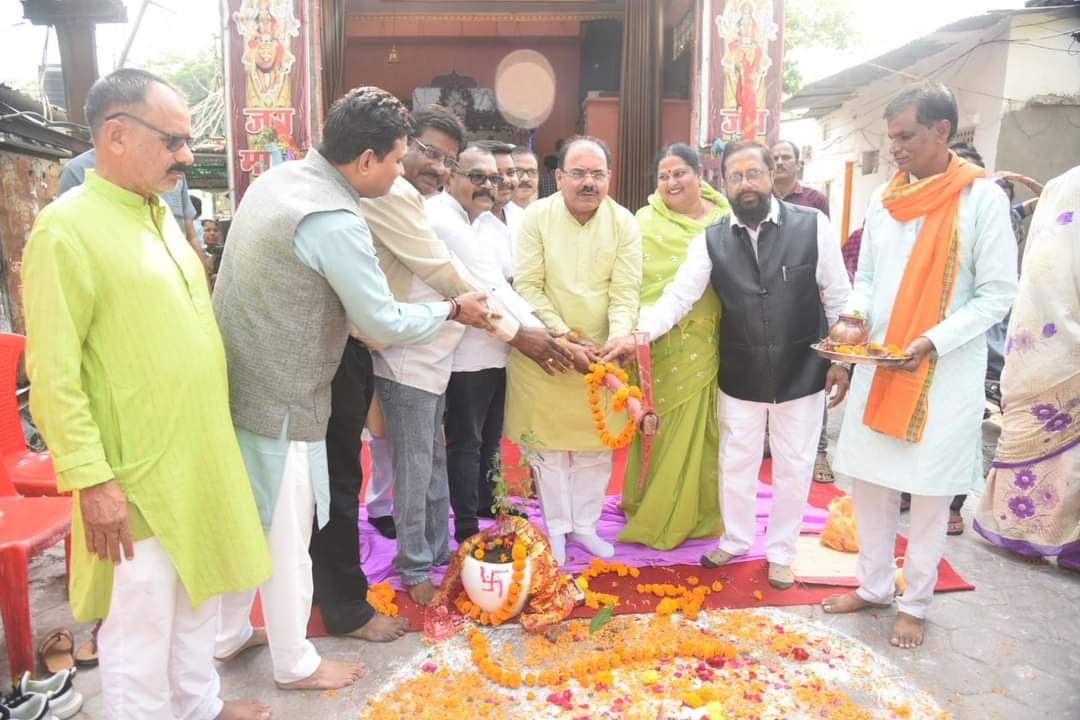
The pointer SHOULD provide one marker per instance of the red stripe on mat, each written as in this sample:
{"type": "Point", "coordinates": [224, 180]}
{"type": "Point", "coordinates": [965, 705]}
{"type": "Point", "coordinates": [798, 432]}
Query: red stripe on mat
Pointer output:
{"type": "Point", "coordinates": [740, 579]}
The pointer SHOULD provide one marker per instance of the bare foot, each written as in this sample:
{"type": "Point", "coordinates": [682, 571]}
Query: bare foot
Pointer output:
{"type": "Point", "coordinates": [244, 710]}
{"type": "Point", "coordinates": [330, 675]}
{"type": "Point", "coordinates": [381, 628]}
{"type": "Point", "coordinates": [847, 602]}
{"type": "Point", "coordinates": [258, 637]}
{"type": "Point", "coordinates": [907, 631]}
{"type": "Point", "coordinates": [423, 592]}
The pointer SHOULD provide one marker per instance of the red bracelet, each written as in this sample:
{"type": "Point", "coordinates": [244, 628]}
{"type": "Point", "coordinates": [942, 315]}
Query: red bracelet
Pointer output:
{"type": "Point", "coordinates": [455, 309]}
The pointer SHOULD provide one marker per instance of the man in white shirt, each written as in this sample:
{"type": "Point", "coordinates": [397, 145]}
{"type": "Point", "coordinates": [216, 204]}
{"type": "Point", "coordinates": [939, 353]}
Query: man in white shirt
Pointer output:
{"type": "Point", "coordinates": [781, 280]}
{"type": "Point", "coordinates": [528, 176]}
{"type": "Point", "coordinates": [503, 209]}
{"type": "Point", "coordinates": [476, 392]}
{"type": "Point", "coordinates": [411, 381]}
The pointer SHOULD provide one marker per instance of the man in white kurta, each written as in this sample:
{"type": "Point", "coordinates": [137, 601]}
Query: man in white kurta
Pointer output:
{"type": "Point", "coordinates": [946, 460]}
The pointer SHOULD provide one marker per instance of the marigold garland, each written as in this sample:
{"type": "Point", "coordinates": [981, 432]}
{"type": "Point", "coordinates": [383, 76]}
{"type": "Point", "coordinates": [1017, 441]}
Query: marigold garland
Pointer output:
{"type": "Point", "coordinates": [381, 597]}
{"type": "Point", "coordinates": [594, 380]}
{"type": "Point", "coordinates": [465, 606]}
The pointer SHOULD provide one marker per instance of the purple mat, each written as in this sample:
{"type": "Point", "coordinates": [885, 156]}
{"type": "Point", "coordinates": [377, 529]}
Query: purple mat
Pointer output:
{"type": "Point", "coordinates": [377, 552]}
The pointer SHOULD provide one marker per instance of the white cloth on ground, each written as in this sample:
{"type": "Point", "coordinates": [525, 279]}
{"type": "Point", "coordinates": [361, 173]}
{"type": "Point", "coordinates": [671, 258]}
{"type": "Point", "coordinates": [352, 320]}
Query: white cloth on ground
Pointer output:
{"type": "Point", "coordinates": [794, 427]}
{"type": "Point", "coordinates": [877, 513]}
{"type": "Point", "coordinates": [155, 650]}
{"type": "Point", "coordinates": [286, 596]}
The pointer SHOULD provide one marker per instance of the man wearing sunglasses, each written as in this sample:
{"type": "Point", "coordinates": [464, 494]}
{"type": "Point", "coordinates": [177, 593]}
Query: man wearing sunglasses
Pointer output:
{"type": "Point", "coordinates": [503, 209]}
{"type": "Point", "coordinates": [476, 391]}
{"type": "Point", "coordinates": [178, 199]}
{"type": "Point", "coordinates": [419, 266]}
{"type": "Point", "coordinates": [132, 396]}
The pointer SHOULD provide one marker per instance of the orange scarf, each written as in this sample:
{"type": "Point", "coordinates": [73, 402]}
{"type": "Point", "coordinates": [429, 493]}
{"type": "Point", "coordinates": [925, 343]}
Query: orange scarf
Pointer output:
{"type": "Point", "coordinates": [898, 399]}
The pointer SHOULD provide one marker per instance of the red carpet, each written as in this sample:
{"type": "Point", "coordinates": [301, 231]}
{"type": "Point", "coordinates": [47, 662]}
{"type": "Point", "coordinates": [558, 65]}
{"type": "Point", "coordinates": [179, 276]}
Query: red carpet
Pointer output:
{"type": "Point", "coordinates": [740, 580]}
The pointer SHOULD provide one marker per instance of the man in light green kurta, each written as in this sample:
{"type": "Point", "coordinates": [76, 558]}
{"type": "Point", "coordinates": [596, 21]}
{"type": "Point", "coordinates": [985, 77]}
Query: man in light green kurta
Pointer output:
{"type": "Point", "coordinates": [578, 264]}
{"type": "Point", "coordinates": [130, 392]}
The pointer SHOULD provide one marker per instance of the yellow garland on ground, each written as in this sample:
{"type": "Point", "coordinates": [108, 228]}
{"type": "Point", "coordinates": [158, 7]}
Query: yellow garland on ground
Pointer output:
{"type": "Point", "coordinates": [596, 600]}
{"type": "Point", "coordinates": [465, 606]}
{"type": "Point", "coordinates": [598, 666]}
{"type": "Point", "coordinates": [594, 380]}
{"type": "Point", "coordinates": [381, 597]}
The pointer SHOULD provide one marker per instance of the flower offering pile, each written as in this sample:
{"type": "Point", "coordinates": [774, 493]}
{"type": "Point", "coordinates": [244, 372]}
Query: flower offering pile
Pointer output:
{"type": "Point", "coordinates": [725, 665]}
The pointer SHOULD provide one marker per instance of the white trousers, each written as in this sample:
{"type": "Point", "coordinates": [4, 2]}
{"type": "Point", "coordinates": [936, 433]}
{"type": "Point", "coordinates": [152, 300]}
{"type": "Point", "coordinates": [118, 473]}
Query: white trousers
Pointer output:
{"type": "Point", "coordinates": [877, 512]}
{"type": "Point", "coordinates": [286, 596]}
{"type": "Point", "coordinates": [379, 495]}
{"type": "Point", "coordinates": [794, 427]}
{"type": "Point", "coordinates": [155, 651]}
{"type": "Point", "coordinates": [571, 486]}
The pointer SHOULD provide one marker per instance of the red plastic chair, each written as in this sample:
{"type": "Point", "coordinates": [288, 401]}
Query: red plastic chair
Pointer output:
{"type": "Point", "coordinates": [32, 473]}
{"type": "Point", "coordinates": [28, 525]}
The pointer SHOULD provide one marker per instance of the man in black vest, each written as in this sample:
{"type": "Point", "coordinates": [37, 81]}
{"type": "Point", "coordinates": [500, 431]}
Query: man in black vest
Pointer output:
{"type": "Point", "coordinates": [781, 280]}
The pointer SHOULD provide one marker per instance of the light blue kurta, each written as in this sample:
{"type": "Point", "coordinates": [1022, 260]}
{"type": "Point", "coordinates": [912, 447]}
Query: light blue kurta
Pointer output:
{"type": "Point", "coordinates": [948, 460]}
{"type": "Point", "coordinates": [338, 246]}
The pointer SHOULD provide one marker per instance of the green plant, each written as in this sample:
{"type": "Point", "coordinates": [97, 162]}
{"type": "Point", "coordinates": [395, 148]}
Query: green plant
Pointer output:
{"type": "Point", "coordinates": [519, 474]}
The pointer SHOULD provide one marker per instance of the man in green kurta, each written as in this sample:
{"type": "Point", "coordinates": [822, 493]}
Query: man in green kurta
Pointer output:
{"type": "Point", "coordinates": [578, 264]}
{"type": "Point", "coordinates": [130, 392]}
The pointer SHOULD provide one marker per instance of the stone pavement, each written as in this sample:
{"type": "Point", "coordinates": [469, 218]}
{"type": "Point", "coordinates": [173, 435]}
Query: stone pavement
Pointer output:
{"type": "Point", "coordinates": [1010, 650]}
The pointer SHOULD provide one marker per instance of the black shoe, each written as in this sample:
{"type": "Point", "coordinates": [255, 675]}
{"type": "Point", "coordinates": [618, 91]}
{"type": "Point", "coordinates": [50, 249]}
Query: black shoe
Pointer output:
{"type": "Point", "coordinates": [385, 526]}
{"type": "Point", "coordinates": [464, 533]}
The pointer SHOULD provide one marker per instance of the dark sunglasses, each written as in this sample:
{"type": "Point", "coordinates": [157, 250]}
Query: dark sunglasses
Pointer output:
{"type": "Point", "coordinates": [173, 141]}
{"type": "Point", "coordinates": [478, 178]}
{"type": "Point", "coordinates": [435, 154]}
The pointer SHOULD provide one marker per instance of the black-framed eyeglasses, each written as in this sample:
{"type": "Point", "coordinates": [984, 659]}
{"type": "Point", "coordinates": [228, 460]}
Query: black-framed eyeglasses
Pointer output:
{"type": "Point", "coordinates": [578, 174]}
{"type": "Point", "coordinates": [433, 153]}
{"type": "Point", "coordinates": [173, 141]}
{"type": "Point", "coordinates": [478, 178]}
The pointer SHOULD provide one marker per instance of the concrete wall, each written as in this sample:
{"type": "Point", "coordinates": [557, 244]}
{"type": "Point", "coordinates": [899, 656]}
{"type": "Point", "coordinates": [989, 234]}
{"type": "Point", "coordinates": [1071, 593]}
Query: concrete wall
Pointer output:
{"type": "Point", "coordinates": [997, 75]}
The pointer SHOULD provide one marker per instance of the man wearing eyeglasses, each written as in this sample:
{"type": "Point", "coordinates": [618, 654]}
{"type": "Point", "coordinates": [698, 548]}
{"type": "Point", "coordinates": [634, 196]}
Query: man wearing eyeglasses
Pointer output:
{"type": "Point", "coordinates": [476, 391]}
{"type": "Point", "coordinates": [131, 393]}
{"type": "Point", "coordinates": [579, 265]}
{"type": "Point", "coordinates": [528, 176]}
{"type": "Point", "coordinates": [178, 199]}
{"type": "Point", "coordinates": [503, 209]}
{"type": "Point", "coordinates": [419, 266]}
{"type": "Point", "coordinates": [781, 281]}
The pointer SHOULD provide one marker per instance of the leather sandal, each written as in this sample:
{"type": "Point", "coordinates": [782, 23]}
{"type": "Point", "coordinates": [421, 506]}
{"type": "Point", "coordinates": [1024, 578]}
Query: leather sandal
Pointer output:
{"type": "Point", "coordinates": [55, 650]}
{"type": "Point", "coordinates": [956, 524]}
{"type": "Point", "coordinates": [87, 654]}
{"type": "Point", "coordinates": [715, 558]}
{"type": "Point", "coordinates": [822, 470]}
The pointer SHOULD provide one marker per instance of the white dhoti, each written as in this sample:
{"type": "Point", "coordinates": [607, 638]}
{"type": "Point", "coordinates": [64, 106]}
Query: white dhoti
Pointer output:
{"type": "Point", "coordinates": [155, 650]}
{"type": "Point", "coordinates": [794, 427]}
{"type": "Point", "coordinates": [378, 497]}
{"type": "Point", "coordinates": [286, 596]}
{"type": "Point", "coordinates": [877, 512]}
{"type": "Point", "coordinates": [571, 486]}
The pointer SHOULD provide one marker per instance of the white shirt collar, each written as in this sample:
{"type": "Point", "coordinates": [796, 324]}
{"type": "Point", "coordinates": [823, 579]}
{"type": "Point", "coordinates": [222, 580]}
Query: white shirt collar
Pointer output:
{"type": "Point", "coordinates": [774, 215]}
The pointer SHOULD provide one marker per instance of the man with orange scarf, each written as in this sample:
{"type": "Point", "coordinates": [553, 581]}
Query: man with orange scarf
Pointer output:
{"type": "Point", "coordinates": [937, 268]}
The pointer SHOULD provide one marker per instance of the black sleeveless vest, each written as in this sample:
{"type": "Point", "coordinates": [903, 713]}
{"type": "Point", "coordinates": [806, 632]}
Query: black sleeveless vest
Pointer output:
{"type": "Point", "coordinates": [772, 309]}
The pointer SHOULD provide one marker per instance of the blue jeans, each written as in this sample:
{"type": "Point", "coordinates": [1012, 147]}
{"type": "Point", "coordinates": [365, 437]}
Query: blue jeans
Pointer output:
{"type": "Point", "coordinates": [414, 431]}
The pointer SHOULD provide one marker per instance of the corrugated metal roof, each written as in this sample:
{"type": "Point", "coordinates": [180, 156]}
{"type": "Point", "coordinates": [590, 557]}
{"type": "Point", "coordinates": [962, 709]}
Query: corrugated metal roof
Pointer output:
{"type": "Point", "coordinates": [823, 96]}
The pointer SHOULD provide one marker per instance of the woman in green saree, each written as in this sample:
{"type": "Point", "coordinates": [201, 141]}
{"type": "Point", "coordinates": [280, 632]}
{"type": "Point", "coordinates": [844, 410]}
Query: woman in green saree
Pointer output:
{"type": "Point", "coordinates": [681, 494]}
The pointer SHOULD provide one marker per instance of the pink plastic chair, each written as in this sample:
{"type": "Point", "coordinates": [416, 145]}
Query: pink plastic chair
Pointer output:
{"type": "Point", "coordinates": [32, 473]}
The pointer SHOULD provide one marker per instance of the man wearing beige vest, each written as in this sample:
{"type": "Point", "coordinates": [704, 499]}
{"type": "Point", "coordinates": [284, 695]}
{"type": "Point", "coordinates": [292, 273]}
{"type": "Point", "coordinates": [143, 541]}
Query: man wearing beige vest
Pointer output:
{"type": "Point", "coordinates": [298, 271]}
